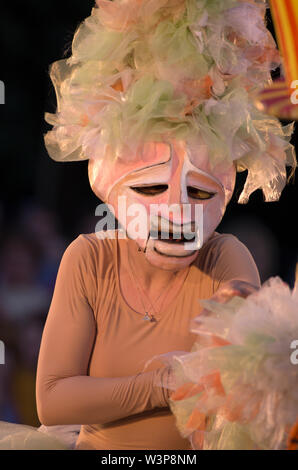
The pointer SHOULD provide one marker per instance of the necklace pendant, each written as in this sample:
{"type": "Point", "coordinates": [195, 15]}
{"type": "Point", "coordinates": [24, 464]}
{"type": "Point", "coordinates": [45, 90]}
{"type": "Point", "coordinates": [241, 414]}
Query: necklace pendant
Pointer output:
{"type": "Point", "coordinates": [149, 318]}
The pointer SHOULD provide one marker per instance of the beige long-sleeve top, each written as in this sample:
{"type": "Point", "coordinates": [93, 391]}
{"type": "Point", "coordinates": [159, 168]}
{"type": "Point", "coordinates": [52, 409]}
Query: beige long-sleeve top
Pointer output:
{"type": "Point", "coordinates": [94, 345]}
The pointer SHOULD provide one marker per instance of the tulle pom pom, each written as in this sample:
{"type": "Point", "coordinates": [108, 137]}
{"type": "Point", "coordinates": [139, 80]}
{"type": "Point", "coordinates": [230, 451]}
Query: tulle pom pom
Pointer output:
{"type": "Point", "coordinates": [238, 388]}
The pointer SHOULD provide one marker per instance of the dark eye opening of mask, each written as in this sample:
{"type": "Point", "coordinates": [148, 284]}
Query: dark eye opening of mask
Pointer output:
{"type": "Point", "coordinates": [154, 190]}
{"type": "Point", "coordinates": [151, 190]}
{"type": "Point", "coordinates": [197, 193]}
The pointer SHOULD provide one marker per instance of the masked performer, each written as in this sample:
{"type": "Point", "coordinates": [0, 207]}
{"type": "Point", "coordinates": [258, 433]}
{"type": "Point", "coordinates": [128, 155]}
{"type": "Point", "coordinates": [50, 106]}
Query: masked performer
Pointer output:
{"type": "Point", "coordinates": [158, 96]}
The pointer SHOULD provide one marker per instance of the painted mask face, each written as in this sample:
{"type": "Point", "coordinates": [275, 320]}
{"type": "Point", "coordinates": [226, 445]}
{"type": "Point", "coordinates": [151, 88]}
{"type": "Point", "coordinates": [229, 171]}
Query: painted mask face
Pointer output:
{"type": "Point", "coordinates": [168, 200]}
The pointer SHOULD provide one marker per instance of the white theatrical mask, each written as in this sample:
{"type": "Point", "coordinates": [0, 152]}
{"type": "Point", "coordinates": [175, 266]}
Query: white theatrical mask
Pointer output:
{"type": "Point", "coordinates": [167, 199]}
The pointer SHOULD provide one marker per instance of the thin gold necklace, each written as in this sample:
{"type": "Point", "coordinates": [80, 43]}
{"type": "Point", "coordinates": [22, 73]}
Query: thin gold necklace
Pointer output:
{"type": "Point", "coordinates": [148, 316]}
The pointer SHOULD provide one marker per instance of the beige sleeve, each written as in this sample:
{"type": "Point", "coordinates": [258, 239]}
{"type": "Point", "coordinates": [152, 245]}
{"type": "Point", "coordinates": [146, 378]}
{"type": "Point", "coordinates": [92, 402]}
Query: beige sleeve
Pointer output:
{"type": "Point", "coordinates": [65, 394]}
{"type": "Point", "coordinates": [233, 261]}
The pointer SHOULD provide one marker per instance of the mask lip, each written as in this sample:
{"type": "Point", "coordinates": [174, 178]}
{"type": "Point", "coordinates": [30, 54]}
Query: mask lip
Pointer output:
{"type": "Point", "coordinates": [172, 256]}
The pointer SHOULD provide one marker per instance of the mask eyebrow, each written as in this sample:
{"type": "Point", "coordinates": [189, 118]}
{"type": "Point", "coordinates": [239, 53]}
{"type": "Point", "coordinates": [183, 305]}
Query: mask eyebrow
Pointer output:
{"type": "Point", "coordinates": [149, 166]}
{"type": "Point", "coordinates": [147, 185]}
{"type": "Point", "coordinates": [203, 186]}
{"type": "Point", "coordinates": [139, 170]}
{"type": "Point", "coordinates": [211, 177]}
{"type": "Point", "coordinates": [155, 177]}
{"type": "Point", "coordinates": [189, 167]}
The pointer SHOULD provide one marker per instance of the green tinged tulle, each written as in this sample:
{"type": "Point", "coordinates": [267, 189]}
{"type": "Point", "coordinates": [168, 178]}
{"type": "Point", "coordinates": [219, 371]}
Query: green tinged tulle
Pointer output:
{"type": "Point", "coordinates": [173, 43]}
{"type": "Point", "coordinates": [146, 113]}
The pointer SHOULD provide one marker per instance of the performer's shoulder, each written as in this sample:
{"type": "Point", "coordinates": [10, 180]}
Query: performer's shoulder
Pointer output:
{"type": "Point", "coordinates": [221, 240]}
{"type": "Point", "coordinates": [94, 245]}
{"type": "Point", "coordinates": [224, 253]}
{"type": "Point", "coordinates": [226, 258]}
{"type": "Point", "coordinates": [220, 244]}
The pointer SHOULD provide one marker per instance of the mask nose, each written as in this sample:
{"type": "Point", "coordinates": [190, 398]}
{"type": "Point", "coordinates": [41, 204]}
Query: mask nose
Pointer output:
{"type": "Point", "coordinates": [177, 160]}
{"type": "Point", "coordinates": [177, 193]}
{"type": "Point", "coordinates": [179, 201]}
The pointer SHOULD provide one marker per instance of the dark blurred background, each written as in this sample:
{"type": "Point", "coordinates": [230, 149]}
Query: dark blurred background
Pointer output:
{"type": "Point", "coordinates": [44, 205]}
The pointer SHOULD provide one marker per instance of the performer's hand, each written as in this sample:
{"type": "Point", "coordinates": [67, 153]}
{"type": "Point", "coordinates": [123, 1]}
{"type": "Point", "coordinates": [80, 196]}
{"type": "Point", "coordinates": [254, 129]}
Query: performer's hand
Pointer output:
{"type": "Point", "coordinates": [166, 378]}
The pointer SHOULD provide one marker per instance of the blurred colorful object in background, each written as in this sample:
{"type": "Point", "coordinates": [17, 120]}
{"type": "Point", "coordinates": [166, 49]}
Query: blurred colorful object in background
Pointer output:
{"type": "Point", "coordinates": [281, 98]}
{"type": "Point", "coordinates": [285, 17]}
{"type": "Point", "coordinates": [278, 100]}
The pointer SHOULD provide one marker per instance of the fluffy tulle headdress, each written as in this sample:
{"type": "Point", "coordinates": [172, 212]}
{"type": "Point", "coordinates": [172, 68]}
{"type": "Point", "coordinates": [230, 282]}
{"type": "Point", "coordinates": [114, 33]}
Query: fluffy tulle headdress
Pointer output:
{"type": "Point", "coordinates": [152, 70]}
